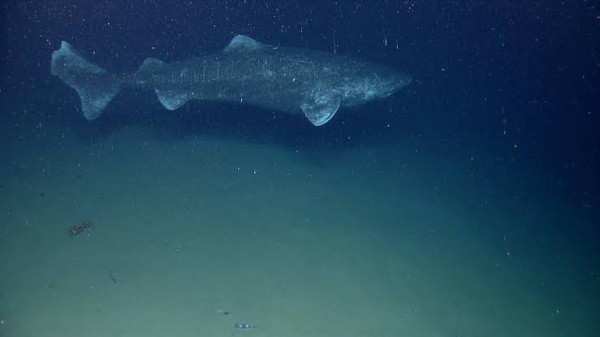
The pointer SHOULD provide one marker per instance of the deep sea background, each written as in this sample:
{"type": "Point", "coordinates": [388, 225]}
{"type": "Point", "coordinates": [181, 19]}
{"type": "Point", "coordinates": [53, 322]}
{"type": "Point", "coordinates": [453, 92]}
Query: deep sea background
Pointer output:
{"type": "Point", "coordinates": [522, 77]}
{"type": "Point", "coordinates": [496, 139]}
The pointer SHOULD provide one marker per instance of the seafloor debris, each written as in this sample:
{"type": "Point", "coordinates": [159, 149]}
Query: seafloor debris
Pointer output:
{"type": "Point", "coordinates": [245, 326]}
{"type": "Point", "coordinates": [223, 311]}
{"type": "Point", "coordinates": [79, 228]}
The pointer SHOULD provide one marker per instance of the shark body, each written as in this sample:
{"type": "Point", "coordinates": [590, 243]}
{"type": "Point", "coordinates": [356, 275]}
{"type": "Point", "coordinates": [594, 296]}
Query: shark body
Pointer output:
{"type": "Point", "coordinates": [292, 80]}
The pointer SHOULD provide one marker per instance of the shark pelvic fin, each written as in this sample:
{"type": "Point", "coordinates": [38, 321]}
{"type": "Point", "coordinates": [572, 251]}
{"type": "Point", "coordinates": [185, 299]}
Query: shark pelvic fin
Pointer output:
{"type": "Point", "coordinates": [171, 99]}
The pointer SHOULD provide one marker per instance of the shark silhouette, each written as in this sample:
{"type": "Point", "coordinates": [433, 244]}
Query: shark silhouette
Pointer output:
{"type": "Point", "coordinates": [292, 80]}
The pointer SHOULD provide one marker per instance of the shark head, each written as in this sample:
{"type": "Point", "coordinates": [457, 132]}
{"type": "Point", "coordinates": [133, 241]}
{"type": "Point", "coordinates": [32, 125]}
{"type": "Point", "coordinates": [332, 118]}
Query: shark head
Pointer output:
{"type": "Point", "coordinates": [372, 83]}
{"type": "Point", "coordinates": [353, 83]}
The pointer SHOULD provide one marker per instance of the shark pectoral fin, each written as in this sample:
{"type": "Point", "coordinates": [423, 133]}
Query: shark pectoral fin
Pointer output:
{"type": "Point", "coordinates": [321, 111]}
{"type": "Point", "coordinates": [171, 99]}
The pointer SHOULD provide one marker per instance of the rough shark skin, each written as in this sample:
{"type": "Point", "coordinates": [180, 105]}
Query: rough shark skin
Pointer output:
{"type": "Point", "coordinates": [292, 80]}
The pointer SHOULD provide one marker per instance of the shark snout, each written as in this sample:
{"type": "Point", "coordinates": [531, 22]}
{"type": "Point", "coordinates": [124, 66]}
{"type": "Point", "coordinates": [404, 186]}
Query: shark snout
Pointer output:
{"type": "Point", "coordinates": [399, 81]}
{"type": "Point", "coordinates": [393, 82]}
{"type": "Point", "coordinates": [403, 81]}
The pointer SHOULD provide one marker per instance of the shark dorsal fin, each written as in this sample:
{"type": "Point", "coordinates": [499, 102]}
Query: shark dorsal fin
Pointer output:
{"type": "Point", "coordinates": [242, 42]}
{"type": "Point", "coordinates": [149, 66]}
{"type": "Point", "coordinates": [152, 63]}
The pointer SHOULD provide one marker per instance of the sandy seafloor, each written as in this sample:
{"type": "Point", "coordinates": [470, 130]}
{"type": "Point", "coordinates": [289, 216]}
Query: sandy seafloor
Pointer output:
{"type": "Point", "coordinates": [375, 241]}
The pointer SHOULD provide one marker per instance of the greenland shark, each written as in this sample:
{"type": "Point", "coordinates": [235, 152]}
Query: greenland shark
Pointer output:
{"type": "Point", "coordinates": [293, 80]}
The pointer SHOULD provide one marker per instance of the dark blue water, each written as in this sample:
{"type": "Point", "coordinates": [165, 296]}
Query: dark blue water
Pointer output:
{"type": "Point", "coordinates": [505, 93]}
{"type": "Point", "coordinates": [503, 75]}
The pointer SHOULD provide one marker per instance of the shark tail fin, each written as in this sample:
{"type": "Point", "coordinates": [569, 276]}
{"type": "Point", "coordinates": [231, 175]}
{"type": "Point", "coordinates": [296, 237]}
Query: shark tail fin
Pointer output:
{"type": "Point", "coordinates": [95, 86]}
